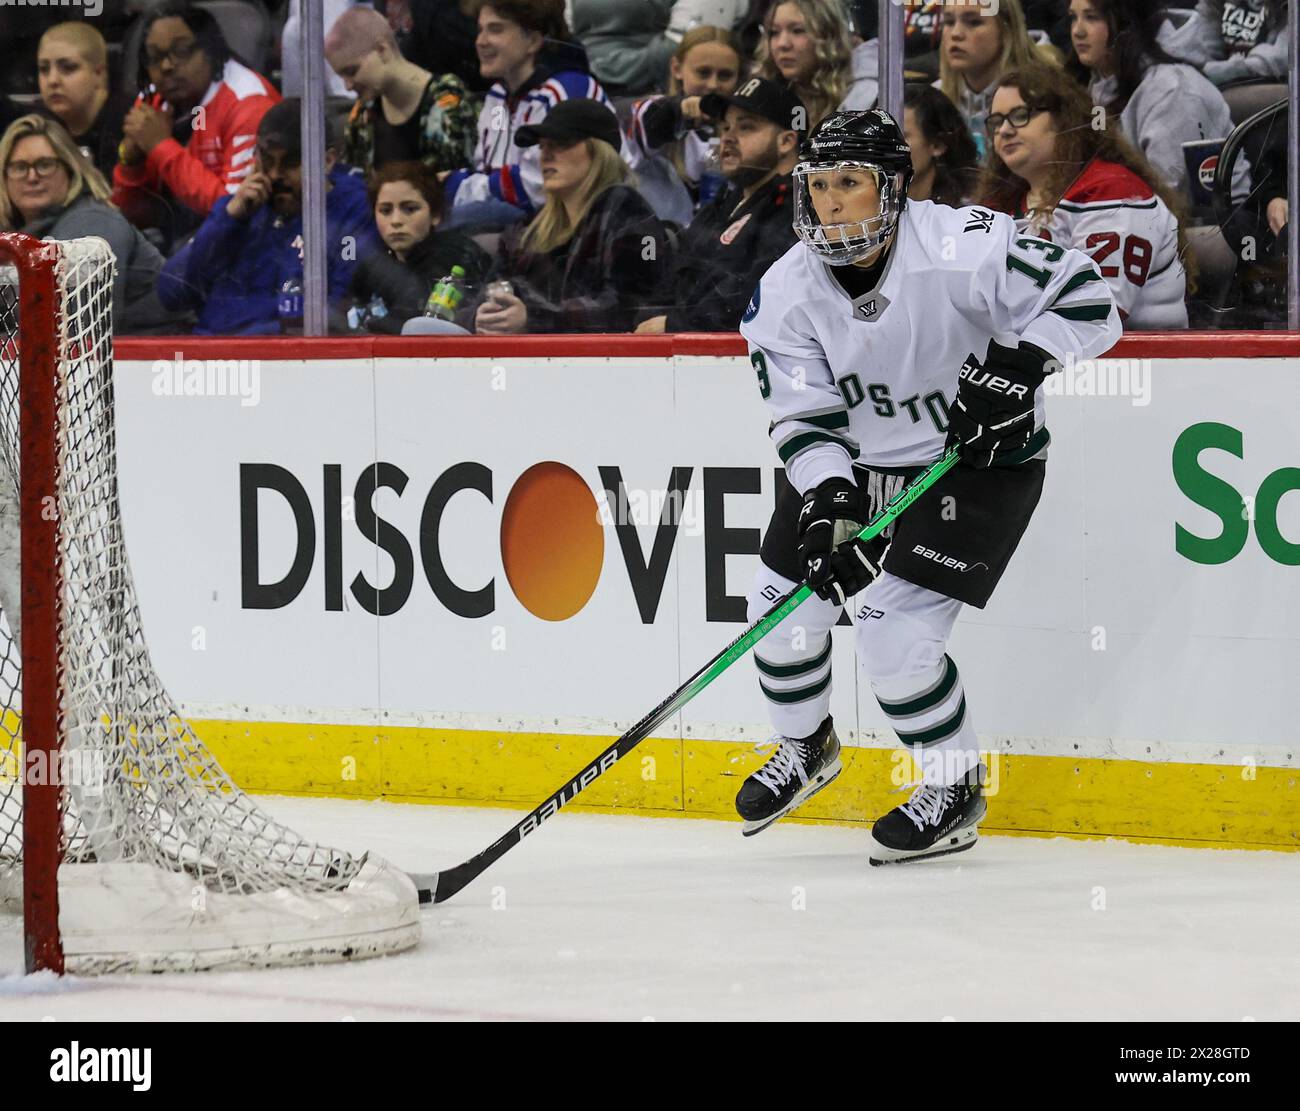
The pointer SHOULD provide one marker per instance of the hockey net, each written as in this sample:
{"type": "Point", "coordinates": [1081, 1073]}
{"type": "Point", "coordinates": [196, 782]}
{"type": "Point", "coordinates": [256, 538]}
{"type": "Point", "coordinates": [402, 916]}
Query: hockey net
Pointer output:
{"type": "Point", "coordinates": [122, 840]}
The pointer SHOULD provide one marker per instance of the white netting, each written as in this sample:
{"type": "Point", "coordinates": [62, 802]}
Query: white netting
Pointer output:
{"type": "Point", "coordinates": [147, 800]}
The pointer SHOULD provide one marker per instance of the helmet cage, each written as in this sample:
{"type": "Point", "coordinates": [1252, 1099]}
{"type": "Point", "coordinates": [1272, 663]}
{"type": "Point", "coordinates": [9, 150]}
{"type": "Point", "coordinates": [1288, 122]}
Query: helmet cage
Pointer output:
{"type": "Point", "coordinates": [843, 244]}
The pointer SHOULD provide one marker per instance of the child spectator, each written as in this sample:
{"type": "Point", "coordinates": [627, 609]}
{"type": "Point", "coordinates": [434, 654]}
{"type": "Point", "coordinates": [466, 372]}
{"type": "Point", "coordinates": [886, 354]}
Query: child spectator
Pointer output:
{"type": "Point", "coordinates": [629, 44]}
{"type": "Point", "coordinates": [1233, 40]}
{"type": "Point", "coordinates": [977, 49]}
{"type": "Point", "coordinates": [595, 254]}
{"type": "Point", "coordinates": [403, 113]}
{"type": "Point", "coordinates": [1088, 188]}
{"type": "Point", "coordinates": [72, 69]}
{"type": "Point", "coordinates": [806, 44]}
{"type": "Point", "coordinates": [250, 246]}
{"type": "Point", "coordinates": [393, 285]}
{"type": "Point", "coordinates": [522, 45]}
{"type": "Point", "coordinates": [733, 241]}
{"type": "Point", "coordinates": [52, 191]}
{"type": "Point", "coordinates": [945, 165]}
{"type": "Point", "coordinates": [672, 141]}
{"type": "Point", "coordinates": [1161, 104]}
{"type": "Point", "coordinates": [192, 87]}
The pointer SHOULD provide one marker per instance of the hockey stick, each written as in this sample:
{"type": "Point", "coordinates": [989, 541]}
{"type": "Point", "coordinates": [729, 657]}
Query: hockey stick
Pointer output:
{"type": "Point", "coordinates": [436, 887]}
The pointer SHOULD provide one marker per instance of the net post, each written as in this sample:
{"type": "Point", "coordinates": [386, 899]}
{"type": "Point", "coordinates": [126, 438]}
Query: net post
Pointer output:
{"type": "Point", "coordinates": [40, 312]}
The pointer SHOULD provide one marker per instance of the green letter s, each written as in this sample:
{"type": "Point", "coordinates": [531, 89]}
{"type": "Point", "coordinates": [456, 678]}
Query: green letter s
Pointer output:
{"type": "Point", "coordinates": [1209, 492]}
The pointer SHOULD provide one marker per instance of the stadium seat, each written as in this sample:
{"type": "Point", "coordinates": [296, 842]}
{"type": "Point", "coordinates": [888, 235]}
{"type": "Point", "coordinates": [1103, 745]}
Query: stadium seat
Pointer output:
{"type": "Point", "coordinates": [1246, 98]}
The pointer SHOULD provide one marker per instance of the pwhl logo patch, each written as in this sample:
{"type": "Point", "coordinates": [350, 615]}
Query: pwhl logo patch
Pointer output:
{"type": "Point", "coordinates": [553, 530]}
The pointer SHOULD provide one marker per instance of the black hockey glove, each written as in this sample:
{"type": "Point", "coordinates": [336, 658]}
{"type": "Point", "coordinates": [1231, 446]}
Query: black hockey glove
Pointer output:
{"type": "Point", "coordinates": [993, 414]}
{"type": "Point", "coordinates": [835, 563]}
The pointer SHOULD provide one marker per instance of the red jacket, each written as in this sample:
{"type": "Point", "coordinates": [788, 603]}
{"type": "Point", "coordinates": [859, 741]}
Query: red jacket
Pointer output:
{"type": "Point", "coordinates": [219, 154]}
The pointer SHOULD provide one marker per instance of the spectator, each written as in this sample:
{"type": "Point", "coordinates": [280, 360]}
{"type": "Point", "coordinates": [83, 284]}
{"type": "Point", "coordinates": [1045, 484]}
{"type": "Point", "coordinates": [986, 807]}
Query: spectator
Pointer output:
{"type": "Point", "coordinates": [393, 285]}
{"type": "Point", "coordinates": [291, 49]}
{"type": "Point", "coordinates": [1161, 104]}
{"type": "Point", "coordinates": [72, 68]}
{"type": "Point", "coordinates": [403, 113]}
{"type": "Point", "coordinates": [439, 35]}
{"type": "Point", "coordinates": [595, 254]}
{"type": "Point", "coordinates": [197, 92]}
{"type": "Point", "coordinates": [1233, 40]}
{"type": "Point", "coordinates": [1088, 188]}
{"type": "Point", "coordinates": [523, 46]}
{"type": "Point", "coordinates": [806, 44]}
{"type": "Point", "coordinates": [977, 49]}
{"type": "Point", "coordinates": [672, 142]}
{"type": "Point", "coordinates": [53, 191]}
{"type": "Point", "coordinates": [629, 44]}
{"type": "Point", "coordinates": [733, 241]}
{"type": "Point", "coordinates": [945, 164]}
{"type": "Point", "coordinates": [250, 246]}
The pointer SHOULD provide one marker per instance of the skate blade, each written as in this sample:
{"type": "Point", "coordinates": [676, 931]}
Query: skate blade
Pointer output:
{"type": "Point", "coordinates": [957, 842]}
{"type": "Point", "coordinates": [823, 779]}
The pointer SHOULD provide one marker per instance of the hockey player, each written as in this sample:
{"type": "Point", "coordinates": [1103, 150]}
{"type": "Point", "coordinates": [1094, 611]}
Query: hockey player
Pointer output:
{"type": "Point", "coordinates": [892, 330]}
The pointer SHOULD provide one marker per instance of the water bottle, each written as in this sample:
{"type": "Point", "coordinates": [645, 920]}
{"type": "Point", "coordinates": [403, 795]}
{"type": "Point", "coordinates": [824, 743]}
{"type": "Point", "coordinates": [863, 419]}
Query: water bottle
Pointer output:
{"type": "Point", "coordinates": [712, 183]}
{"type": "Point", "coordinates": [447, 295]}
{"type": "Point", "coordinates": [289, 307]}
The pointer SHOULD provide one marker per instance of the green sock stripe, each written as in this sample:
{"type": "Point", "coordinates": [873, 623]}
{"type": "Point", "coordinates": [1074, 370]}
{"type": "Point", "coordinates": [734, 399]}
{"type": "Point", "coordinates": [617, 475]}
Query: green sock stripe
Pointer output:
{"type": "Point", "coordinates": [800, 695]}
{"type": "Point", "coordinates": [789, 671]}
{"type": "Point", "coordinates": [926, 700]}
{"type": "Point", "coordinates": [940, 732]}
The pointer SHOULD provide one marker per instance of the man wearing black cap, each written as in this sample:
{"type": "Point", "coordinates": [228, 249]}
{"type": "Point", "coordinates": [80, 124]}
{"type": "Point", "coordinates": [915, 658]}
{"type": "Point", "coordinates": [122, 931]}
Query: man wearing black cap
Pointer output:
{"type": "Point", "coordinates": [732, 241]}
{"type": "Point", "coordinates": [250, 246]}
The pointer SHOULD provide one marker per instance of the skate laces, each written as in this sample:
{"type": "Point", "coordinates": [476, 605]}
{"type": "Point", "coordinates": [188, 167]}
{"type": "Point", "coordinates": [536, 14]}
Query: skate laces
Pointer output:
{"type": "Point", "coordinates": [784, 765]}
{"type": "Point", "coordinates": [927, 803]}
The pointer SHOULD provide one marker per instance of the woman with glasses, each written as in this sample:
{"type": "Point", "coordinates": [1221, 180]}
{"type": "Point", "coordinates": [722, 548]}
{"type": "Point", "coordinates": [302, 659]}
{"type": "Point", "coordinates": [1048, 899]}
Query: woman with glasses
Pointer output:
{"type": "Point", "coordinates": [190, 134]}
{"type": "Point", "coordinates": [980, 42]}
{"type": "Point", "coordinates": [1084, 187]}
{"type": "Point", "coordinates": [51, 191]}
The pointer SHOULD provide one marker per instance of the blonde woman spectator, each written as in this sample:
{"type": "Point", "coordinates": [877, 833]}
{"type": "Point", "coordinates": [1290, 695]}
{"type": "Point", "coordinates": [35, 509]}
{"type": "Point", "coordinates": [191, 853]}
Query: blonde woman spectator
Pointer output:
{"type": "Point", "coordinates": [806, 44]}
{"type": "Point", "coordinates": [1088, 188]}
{"type": "Point", "coordinates": [977, 48]}
{"type": "Point", "coordinates": [672, 142]}
{"type": "Point", "coordinates": [595, 255]}
{"type": "Point", "coordinates": [72, 68]}
{"type": "Point", "coordinates": [51, 191]}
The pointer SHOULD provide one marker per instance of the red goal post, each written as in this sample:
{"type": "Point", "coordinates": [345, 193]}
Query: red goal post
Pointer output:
{"type": "Point", "coordinates": [121, 837]}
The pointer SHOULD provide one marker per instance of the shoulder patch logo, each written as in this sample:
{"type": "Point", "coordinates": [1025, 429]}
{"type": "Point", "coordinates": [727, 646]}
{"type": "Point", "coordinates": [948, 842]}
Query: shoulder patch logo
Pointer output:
{"type": "Point", "coordinates": [751, 310]}
{"type": "Point", "coordinates": [980, 219]}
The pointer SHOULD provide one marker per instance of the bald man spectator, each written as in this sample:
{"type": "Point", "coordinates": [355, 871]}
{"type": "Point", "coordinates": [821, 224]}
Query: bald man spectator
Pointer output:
{"type": "Point", "coordinates": [403, 113]}
{"type": "Point", "coordinates": [72, 69]}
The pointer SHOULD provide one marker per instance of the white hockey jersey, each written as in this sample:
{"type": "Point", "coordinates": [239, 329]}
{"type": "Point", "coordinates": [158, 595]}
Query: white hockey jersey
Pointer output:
{"type": "Point", "coordinates": [1115, 217]}
{"type": "Point", "coordinates": [871, 379]}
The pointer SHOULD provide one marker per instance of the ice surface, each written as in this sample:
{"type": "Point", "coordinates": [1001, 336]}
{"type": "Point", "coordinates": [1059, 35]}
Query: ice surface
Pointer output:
{"type": "Point", "coordinates": [641, 918]}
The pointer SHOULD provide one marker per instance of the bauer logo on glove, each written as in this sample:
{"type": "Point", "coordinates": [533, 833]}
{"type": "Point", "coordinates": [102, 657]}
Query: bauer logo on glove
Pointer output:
{"type": "Point", "coordinates": [993, 414]}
